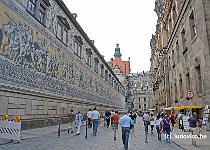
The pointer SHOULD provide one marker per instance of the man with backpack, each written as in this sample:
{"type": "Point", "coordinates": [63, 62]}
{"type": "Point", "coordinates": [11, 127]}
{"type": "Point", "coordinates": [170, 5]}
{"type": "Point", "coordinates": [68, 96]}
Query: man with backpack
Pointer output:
{"type": "Point", "coordinates": [166, 128]}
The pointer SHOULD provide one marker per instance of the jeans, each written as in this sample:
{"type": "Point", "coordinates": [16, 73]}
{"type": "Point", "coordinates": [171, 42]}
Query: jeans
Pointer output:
{"type": "Point", "coordinates": [95, 126]}
{"type": "Point", "coordinates": [125, 136]}
{"type": "Point", "coordinates": [158, 132]}
{"type": "Point", "coordinates": [167, 134]}
{"type": "Point", "coordinates": [78, 127]}
{"type": "Point", "coordinates": [89, 123]}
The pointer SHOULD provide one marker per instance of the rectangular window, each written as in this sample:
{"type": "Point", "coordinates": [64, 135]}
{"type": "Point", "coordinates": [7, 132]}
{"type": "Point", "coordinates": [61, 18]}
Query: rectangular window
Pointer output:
{"type": "Point", "coordinates": [173, 59]}
{"type": "Point", "coordinates": [42, 14]}
{"type": "Point", "coordinates": [65, 36]}
{"type": "Point", "coordinates": [177, 50]}
{"type": "Point", "coordinates": [175, 93]}
{"type": "Point", "coordinates": [37, 8]}
{"type": "Point", "coordinates": [62, 32]}
{"type": "Point", "coordinates": [78, 46]}
{"type": "Point", "coordinates": [192, 25]}
{"type": "Point", "coordinates": [102, 71]}
{"type": "Point", "coordinates": [32, 6]}
{"type": "Point", "coordinates": [106, 75]}
{"type": "Point", "coordinates": [89, 60]}
{"type": "Point", "coordinates": [59, 31]}
{"type": "Point", "coordinates": [183, 41]}
{"type": "Point", "coordinates": [199, 79]}
{"type": "Point", "coordinates": [188, 86]}
{"type": "Point", "coordinates": [96, 64]}
{"type": "Point", "coordinates": [180, 88]}
{"type": "Point", "coordinates": [80, 50]}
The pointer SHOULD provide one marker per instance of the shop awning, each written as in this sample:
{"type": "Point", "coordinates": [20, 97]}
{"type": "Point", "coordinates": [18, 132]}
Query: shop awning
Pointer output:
{"type": "Point", "coordinates": [186, 107]}
{"type": "Point", "coordinates": [151, 109]}
{"type": "Point", "coordinates": [169, 108]}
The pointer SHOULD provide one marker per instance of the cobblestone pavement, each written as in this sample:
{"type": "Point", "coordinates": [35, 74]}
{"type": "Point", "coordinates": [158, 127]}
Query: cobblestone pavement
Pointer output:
{"type": "Point", "coordinates": [103, 141]}
{"type": "Point", "coordinates": [201, 144]}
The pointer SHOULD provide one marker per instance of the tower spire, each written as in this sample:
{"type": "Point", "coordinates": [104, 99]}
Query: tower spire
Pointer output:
{"type": "Point", "coordinates": [117, 53]}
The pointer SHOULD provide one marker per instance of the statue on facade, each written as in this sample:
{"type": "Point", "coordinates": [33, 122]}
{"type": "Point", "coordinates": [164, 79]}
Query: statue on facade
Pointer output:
{"type": "Point", "coordinates": [152, 42]}
{"type": "Point", "coordinates": [159, 7]}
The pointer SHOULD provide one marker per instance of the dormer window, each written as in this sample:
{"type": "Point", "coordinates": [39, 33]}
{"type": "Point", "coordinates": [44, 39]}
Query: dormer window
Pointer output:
{"type": "Point", "coordinates": [38, 9]}
{"type": "Point", "coordinates": [62, 29]}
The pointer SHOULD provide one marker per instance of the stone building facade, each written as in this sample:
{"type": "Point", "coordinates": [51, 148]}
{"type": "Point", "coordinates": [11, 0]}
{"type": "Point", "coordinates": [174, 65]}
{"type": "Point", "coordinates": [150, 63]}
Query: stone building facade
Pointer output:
{"type": "Point", "coordinates": [180, 58]}
{"type": "Point", "coordinates": [48, 64]}
{"type": "Point", "coordinates": [140, 95]}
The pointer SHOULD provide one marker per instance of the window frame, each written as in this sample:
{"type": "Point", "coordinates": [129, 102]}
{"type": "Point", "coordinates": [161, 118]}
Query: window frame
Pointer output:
{"type": "Point", "coordinates": [38, 4]}
{"type": "Point", "coordinates": [63, 28]}
{"type": "Point", "coordinates": [88, 57]}
{"type": "Point", "coordinates": [96, 62]}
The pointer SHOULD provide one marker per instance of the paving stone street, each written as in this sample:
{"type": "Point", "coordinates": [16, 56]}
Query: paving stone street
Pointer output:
{"type": "Point", "coordinates": [103, 141]}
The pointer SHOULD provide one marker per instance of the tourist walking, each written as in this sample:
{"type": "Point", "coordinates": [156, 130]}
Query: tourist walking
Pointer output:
{"type": "Point", "coordinates": [125, 122]}
{"type": "Point", "coordinates": [152, 122]}
{"type": "Point", "coordinates": [132, 121]}
{"type": "Point", "coordinates": [172, 118]}
{"type": "Point", "coordinates": [146, 119]}
{"type": "Point", "coordinates": [89, 115]}
{"type": "Point", "coordinates": [116, 119]}
{"type": "Point", "coordinates": [193, 123]}
{"type": "Point", "coordinates": [71, 122]}
{"type": "Point", "coordinates": [78, 120]}
{"type": "Point", "coordinates": [158, 127]}
{"type": "Point", "coordinates": [166, 128]}
{"type": "Point", "coordinates": [108, 118]}
{"type": "Point", "coordinates": [95, 118]}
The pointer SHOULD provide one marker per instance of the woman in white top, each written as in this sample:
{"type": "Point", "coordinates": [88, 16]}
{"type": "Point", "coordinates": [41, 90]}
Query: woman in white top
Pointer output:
{"type": "Point", "coordinates": [152, 122]}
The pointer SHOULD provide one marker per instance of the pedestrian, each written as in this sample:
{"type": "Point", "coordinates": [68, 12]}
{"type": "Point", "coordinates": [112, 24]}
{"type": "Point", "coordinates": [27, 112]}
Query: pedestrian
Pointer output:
{"type": "Point", "coordinates": [71, 121]}
{"type": "Point", "coordinates": [112, 113]}
{"type": "Point", "coordinates": [116, 119]}
{"type": "Point", "coordinates": [194, 125]}
{"type": "Point", "coordinates": [95, 118]}
{"type": "Point", "coordinates": [180, 116]}
{"type": "Point", "coordinates": [104, 117]}
{"type": "Point", "coordinates": [132, 121]}
{"type": "Point", "coordinates": [146, 119]}
{"type": "Point", "coordinates": [172, 117]}
{"type": "Point", "coordinates": [158, 128]}
{"type": "Point", "coordinates": [125, 122]}
{"type": "Point", "coordinates": [89, 115]}
{"type": "Point", "coordinates": [78, 120]}
{"type": "Point", "coordinates": [166, 128]}
{"type": "Point", "coordinates": [152, 122]}
{"type": "Point", "coordinates": [135, 116]}
{"type": "Point", "coordinates": [108, 117]}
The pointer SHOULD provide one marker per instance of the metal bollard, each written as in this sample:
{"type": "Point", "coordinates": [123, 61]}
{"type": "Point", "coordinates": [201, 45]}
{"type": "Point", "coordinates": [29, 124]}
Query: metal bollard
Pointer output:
{"type": "Point", "coordinates": [86, 126]}
{"type": "Point", "coordinates": [59, 128]}
{"type": "Point", "coordinates": [114, 131]}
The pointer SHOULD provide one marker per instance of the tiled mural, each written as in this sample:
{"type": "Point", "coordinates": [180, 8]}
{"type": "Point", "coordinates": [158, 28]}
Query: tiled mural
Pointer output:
{"type": "Point", "coordinates": [32, 59]}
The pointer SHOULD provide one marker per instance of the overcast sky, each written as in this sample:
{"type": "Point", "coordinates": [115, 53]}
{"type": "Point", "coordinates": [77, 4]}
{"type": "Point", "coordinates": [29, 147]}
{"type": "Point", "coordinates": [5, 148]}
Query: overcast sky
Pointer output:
{"type": "Point", "coordinates": [130, 23]}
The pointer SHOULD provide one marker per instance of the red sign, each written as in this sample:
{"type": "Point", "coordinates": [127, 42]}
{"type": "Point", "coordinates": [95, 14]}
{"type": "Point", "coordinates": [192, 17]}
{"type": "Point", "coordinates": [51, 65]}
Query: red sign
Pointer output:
{"type": "Point", "coordinates": [190, 94]}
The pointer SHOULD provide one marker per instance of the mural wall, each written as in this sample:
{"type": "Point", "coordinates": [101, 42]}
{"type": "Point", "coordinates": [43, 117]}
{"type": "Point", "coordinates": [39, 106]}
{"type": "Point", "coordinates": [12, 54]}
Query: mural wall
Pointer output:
{"type": "Point", "coordinates": [32, 58]}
